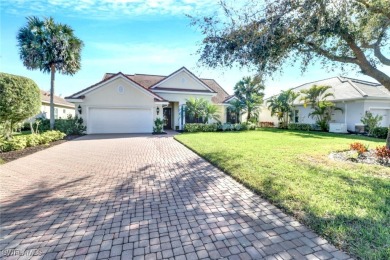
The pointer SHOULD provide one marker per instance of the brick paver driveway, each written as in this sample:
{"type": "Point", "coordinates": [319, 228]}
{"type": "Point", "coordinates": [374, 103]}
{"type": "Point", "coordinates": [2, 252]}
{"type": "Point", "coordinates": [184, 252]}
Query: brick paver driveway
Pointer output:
{"type": "Point", "coordinates": [140, 197]}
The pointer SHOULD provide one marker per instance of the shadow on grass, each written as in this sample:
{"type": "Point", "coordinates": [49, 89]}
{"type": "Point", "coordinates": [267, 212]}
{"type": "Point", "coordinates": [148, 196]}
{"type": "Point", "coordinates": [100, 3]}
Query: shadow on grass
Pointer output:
{"type": "Point", "coordinates": [362, 224]}
{"type": "Point", "coordinates": [321, 135]}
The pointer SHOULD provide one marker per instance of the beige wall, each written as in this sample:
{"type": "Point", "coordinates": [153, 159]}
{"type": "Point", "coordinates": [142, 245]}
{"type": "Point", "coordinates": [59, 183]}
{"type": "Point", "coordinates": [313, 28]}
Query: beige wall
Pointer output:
{"type": "Point", "coordinates": [108, 96]}
{"type": "Point", "coordinates": [63, 112]}
{"type": "Point", "coordinates": [179, 99]}
{"type": "Point", "coordinates": [182, 80]}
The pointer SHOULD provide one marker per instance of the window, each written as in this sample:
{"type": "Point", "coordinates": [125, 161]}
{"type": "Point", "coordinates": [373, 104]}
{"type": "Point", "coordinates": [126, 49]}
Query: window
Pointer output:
{"type": "Point", "coordinates": [296, 116]}
{"type": "Point", "coordinates": [64, 111]}
{"type": "Point", "coordinates": [56, 113]}
{"type": "Point", "coordinates": [121, 89]}
{"type": "Point", "coordinates": [231, 116]}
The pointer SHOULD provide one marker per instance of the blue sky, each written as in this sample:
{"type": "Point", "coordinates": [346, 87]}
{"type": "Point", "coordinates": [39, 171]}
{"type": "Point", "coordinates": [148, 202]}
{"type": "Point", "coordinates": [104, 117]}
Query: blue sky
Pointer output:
{"type": "Point", "coordinates": [132, 36]}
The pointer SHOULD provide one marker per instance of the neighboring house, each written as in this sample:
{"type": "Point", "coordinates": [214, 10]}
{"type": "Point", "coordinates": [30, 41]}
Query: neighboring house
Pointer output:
{"type": "Point", "coordinates": [123, 103]}
{"type": "Point", "coordinates": [353, 96]}
{"type": "Point", "coordinates": [62, 108]}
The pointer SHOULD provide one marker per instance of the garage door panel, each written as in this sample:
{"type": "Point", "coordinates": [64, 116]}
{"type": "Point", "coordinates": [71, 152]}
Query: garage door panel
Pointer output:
{"type": "Point", "coordinates": [385, 113]}
{"type": "Point", "coordinates": [120, 120]}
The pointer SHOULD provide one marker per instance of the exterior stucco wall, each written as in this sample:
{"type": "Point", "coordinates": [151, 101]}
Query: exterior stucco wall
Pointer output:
{"type": "Point", "coordinates": [179, 99]}
{"type": "Point", "coordinates": [182, 80]}
{"type": "Point", "coordinates": [63, 111]}
{"type": "Point", "coordinates": [354, 112]}
{"type": "Point", "coordinates": [108, 96]}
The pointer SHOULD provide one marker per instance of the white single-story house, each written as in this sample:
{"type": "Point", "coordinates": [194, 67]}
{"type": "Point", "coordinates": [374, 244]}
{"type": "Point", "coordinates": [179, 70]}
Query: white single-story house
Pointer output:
{"type": "Point", "coordinates": [353, 96]}
{"type": "Point", "coordinates": [62, 108]}
{"type": "Point", "coordinates": [129, 103]}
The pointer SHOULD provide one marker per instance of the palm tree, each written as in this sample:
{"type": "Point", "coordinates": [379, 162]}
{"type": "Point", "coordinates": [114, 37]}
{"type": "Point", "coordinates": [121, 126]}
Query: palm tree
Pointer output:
{"type": "Point", "coordinates": [195, 109]}
{"type": "Point", "coordinates": [250, 92]}
{"type": "Point", "coordinates": [322, 109]}
{"type": "Point", "coordinates": [211, 112]}
{"type": "Point", "coordinates": [236, 106]}
{"type": "Point", "coordinates": [283, 106]}
{"type": "Point", "coordinates": [49, 47]}
{"type": "Point", "coordinates": [315, 94]}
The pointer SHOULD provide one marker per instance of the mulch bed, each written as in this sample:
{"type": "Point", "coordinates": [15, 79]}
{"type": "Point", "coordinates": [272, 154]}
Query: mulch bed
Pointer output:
{"type": "Point", "coordinates": [13, 155]}
{"type": "Point", "coordinates": [351, 156]}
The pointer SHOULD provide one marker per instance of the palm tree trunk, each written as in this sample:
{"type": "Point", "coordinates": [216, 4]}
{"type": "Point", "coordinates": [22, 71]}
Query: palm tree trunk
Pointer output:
{"type": "Point", "coordinates": [52, 72]}
{"type": "Point", "coordinates": [248, 115]}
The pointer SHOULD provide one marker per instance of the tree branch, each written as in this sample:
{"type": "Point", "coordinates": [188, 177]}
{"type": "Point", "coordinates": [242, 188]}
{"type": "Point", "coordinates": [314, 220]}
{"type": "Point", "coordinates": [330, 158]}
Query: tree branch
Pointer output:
{"type": "Point", "coordinates": [329, 55]}
{"type": "Point", "coordinates": [373, 8]}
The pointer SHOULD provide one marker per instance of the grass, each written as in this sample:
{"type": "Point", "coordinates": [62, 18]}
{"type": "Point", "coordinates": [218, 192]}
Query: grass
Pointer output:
{"type": "Point", "coordinates": [347, 203]}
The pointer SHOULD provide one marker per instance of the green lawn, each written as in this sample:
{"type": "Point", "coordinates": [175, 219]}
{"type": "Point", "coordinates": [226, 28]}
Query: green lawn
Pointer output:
{"type": "Point", "coordinates": [347, 203]}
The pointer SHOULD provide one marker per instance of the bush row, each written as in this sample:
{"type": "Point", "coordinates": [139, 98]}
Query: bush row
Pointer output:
{"type": "Point", "coordinates": [300, 126]}
{"type": "Point", "coordinates": [380, 132]}
{"type": "Point", "coordinates": [69, 126]}
{"type": "Point", "coordinates": [266, 124]}
{"type": "Point", "coordinates": [22, 141]}
{"type": "Point", "coordinates": [199, 127]}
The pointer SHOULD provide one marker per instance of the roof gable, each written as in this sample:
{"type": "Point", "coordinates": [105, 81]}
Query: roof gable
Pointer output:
{"type": "Point", "coordinates": [181, 79]}
{"type": "Point", "coordinates": [148, 81]}
{"type": "Point", "coordinates": [107, 79]}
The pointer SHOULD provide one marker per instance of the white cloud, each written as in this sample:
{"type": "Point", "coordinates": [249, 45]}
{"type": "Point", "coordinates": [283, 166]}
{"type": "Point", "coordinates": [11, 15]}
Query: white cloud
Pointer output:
{"type": "Point", "coordinates": [104, 9]}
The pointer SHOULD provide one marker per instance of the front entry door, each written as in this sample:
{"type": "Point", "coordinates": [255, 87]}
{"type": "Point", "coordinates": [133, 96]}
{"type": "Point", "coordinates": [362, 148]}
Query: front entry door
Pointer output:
{"type": "Point", "coordinates": [167, 114]}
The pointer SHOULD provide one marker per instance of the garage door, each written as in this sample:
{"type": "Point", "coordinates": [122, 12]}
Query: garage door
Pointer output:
{"type": "Point", "coordinates": [119, 120]}
{"type": "Point", "coordinates": [385, 113]}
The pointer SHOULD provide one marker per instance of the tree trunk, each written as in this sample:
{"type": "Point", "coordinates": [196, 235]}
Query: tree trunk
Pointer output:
{"type": "Point", "coordinates": [388, 139]}
{"type": "Point", "coordinates": [52, 72]}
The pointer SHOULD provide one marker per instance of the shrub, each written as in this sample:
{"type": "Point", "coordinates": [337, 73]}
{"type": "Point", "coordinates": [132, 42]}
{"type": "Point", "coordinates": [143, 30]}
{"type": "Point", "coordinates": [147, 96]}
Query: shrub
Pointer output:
{"type": "Point", "coordinates": [248, 126]}
{"type": "Point", "coordinates": [69, 126]}
{"type": "Point", "coordinates": [199, 127]}
{"type": "Point", "coordinates": [371, 122]}
{"type": "Point", "coordinates": [359, 148]}
{"type": "Point", "coordinates": [33, 140]}
{"type": "Point", "coordinates": [14, 144]}
{"type": "Point", "coordinates": [380, 132]}
{"type": "Point", "coordinates": [158, 125]}
{"type": "Point", "coordinates": [267, 124]}
{"type": "Point", "coordinates": [19, 100]}
{"type": "Point", "coordinates": [237, 127]}
{"type": "Point", "coordinates": [227, 127]}
{"type": "Point", "coordinates": [383, 154]}
{"type": "Point", "coordinates": [21, 142]}
{"type": "Point", "coordinates": [300, 126]}
{"type": "Point", "coordinates": [53, 135]}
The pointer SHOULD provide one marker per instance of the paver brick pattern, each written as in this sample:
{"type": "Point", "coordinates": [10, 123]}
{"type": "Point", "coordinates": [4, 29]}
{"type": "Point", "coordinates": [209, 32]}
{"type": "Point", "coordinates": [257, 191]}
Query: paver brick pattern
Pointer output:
{"type": "Point", "coordinates": [140, 197]}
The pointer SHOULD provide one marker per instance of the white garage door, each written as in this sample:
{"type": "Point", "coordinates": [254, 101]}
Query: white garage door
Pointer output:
{"type": "Point", "coordinates": [385, 113]}
{"type": "Point", "coordinates": [119, 120]}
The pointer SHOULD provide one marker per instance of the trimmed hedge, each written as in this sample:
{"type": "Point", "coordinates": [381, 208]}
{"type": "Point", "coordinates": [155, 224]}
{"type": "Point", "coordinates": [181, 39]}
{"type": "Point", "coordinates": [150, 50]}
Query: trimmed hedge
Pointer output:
{"type": "Point", "coordinates": [22, 141]}
{"type": "Point", "coordinates": [300, 126]}
{"type": "Point", "coordinates": [266, 124]}
{"type": "Point", "coordinates": [199, 127]}
{"type": "Point", "coordinates": [69, 126]}
{"type": "Point", "coordinates": [380, 132]}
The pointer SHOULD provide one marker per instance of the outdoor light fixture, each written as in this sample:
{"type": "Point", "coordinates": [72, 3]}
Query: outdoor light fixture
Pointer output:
{"type": "Point", "coordinates": [158, 110]}
{"type": "Point", "coordinates": [79, 109]}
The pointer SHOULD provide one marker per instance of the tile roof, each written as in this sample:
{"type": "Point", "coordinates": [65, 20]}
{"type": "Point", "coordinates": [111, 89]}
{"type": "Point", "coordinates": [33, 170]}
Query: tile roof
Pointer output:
{"type": "Point", "coordinates": [45, 98]}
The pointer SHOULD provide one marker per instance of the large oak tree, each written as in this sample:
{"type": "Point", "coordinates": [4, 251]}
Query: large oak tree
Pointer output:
{"type": "Point", "coordinates": [271, 33]}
